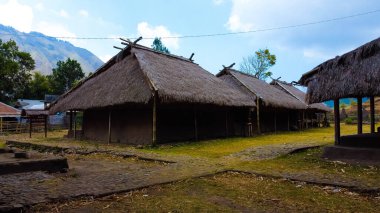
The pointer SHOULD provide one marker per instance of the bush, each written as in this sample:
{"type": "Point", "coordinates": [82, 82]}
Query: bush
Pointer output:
{"type": "Point", "coordinates": [349, 121]}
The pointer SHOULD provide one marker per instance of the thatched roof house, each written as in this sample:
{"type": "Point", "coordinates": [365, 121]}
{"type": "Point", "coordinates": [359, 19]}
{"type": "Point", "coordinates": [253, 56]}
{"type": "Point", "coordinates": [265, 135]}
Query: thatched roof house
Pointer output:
{"type": "Point", "coordinates": [354, 74]}
{"type": "Point", "coordinates": [143, 96]}
{"type": "Point", "coordinates": [300, 95]}
{"type": "Point", "coordinates": [275, 109]}
{"type": "Point", "coordinates": [137, 73]}
{"type": "Point", "coordinates": [254, 87]}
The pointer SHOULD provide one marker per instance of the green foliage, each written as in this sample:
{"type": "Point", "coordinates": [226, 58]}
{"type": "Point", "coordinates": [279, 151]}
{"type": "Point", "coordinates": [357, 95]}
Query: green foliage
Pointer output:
{"type": "Point", "coordinates": [39, 86]}
{"type": "Point", "coordinates": [343, 106]}
{"type": "Point", "coordinates": [350, 120]}
{"type": "Point", "coordinates": [258, 64]}
{"type": "Point", "coordinates": [65, 75]}
{"type": "Point", "coordinates": [15, 67]}
{"type": "Point", "coordinates": [159, 46]}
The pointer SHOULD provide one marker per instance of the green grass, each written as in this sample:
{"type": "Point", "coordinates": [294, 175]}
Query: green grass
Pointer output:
{"type": "Point", "coordinates": [2, 144]}
{"type": "Point", "coordinates": [229, 192]}
{"type": "Point", "coordinates": [222, 147]}
{"type": "Point", "coordinates": [309, 164]}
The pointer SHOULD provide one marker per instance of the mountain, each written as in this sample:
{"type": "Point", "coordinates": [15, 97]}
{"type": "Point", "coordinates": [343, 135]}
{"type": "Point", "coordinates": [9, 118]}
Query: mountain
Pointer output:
{"type": "Point", "coordinates": [47, 51]}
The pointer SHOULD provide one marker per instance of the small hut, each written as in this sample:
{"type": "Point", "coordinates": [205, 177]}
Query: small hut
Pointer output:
{"type": "Point", "coordinates": [276, 110]}
{"type": "Point", "coordinates": [8, 117]}
{"type": "Point", "coordinates": [142, 96]}
{"type": "Point", "coordinates": [315, 114]}
{"type": "Point", "coordinates": [355, 74]}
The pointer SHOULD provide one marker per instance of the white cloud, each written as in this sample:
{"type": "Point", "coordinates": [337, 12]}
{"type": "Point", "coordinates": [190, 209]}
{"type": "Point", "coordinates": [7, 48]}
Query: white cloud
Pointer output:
{"type": "Point", "coordinates": [16, 15]}
{"type": "Point", "coordinates": [63, 14]}
{"type": "Point", "coordinates": [235, 24]}
{"type": "Point", "coordinates": [218, 2]}
{"type": "Point", "coordinates": [147, 31]}
{"type": "Point", "coordinates": [39, 6]}
{"type": "Point", "coordinates": [105, 58]}
{"type": "Point", "coordinates": [83, 13]}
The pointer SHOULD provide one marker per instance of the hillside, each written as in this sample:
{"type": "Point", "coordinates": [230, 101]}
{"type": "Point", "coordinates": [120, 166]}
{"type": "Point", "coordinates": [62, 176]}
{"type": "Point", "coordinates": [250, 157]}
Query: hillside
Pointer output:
{"type": "Point", "coordinates": [46, 51]}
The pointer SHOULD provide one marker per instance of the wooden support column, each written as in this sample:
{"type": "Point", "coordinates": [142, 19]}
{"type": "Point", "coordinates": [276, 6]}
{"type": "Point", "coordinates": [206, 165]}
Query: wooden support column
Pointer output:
{"type": "Point", "coordinates": [226, 123]}
{"type": "Point", "coordinates": [75, 124]}
{"type": "Point", "coordinates": [360, 116]}
{"type": "Point", "coordinates": [195, 125]}
{"type": "Point", "coordinates": [288, 120]}
{"type": "Point", "coordinates": [303, 119]}
{"type": "Point", "coordinates": [30, 127]}
{"type": "Point", "coordinates": [1, 125]}
{"type": "Point", "coordinates": [372, 112]}
{"type": "Point", "coordinates": [275, 121]}
{"type": "Point", "coordinates": [109, 125]}
{"type": "Point", "coordinates": [337, 121]}
{"type": "Point", "coordinates": [71, 120]}
{"type": "Point", "coordinates": [45, 123]}
{"type": "Point", "coordinates": [258, 115]}
{"type": "Point", "coordinates": [307, 121]}
{"type": "Point", "coordinates": [154, 120]}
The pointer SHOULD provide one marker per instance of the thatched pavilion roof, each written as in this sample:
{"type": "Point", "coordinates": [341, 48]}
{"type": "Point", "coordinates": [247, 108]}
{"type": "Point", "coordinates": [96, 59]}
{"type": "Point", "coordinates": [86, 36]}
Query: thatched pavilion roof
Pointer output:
{"type": "Point", "coordinates": [354, 74]}
{"type": "Point", "coordinates": [137, 73]}
{"type": "Point", "coordinates": [270, 95]}
{"type": "Point", "coordinates": [300, 95]}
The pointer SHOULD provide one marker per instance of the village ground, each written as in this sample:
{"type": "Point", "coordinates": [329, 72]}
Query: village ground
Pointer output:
{"type": "Point", "coordinates": [239, 175]}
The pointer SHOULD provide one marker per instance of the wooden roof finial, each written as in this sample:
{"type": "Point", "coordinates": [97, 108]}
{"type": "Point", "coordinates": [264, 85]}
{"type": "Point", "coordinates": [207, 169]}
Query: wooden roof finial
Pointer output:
{"type": "Point", "coordinates": [191, 57]}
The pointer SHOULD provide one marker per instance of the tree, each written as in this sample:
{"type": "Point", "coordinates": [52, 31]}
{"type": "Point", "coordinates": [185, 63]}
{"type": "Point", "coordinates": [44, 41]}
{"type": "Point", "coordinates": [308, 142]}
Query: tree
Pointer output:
{"type": "Point", "coordinates": [258, 64]}
{"type": "Point", "coordinates": [65, 75]}
{"type": "Point", "coordinates": [159, 46]}
{"type": "Point", "coordinates": [15, 67]}
{"type": "Point", "coordinates": [39, 86]}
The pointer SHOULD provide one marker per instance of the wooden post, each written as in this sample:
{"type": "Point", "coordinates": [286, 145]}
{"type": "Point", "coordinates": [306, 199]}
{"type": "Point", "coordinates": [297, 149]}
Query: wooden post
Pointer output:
{"type": "Point", "coordinates": [1, 125]}
{"type": "Point", "coordinates": [195, 125]}
{"type": "Point", "coordinates": [71, 121]}
{"type": "Point", "coordinates": [275, 121]}
{"type": "Point", "coordinates": [337, 121]}
{"type": "Point", "coordinates": [30, 127]}
{"type": "Point", "coordinates": [372, 111]}
{"type": "Point", "coordinates": [109, 125]}
{"type": "Point", "coordinates": [360, 116]}
{"type": "Point", "coordinates": [303, 119]}
{"type": "Point", "coordinates": [154, 120]}
{"type": "Point", "coordinates": [258, 114]}
{"type": "Point", "coordinates": [75, 124]}
{"type": "Point", "coordinates": [288, 120]}
{"type": "Point", "coordinates": [226, 122]}
{"type": "Point", "coordinates": [307, 121]}
{"type": "Point", "coordinates": [45, 120]}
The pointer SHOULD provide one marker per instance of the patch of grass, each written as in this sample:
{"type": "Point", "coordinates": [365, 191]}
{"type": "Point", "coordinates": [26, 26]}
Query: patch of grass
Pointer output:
{"type": "Point", "coordinates": [2, 144]}
{"type": "Point", "coordinates": [222, 147]}
{"type": "Point", "coordinates": [310, 164]}
{"type": "Point", "coordinates": [229, 192]}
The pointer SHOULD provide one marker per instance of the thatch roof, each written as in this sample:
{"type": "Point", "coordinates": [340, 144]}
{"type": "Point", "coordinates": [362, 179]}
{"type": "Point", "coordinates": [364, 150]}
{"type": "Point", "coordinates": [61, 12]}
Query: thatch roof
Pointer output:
{"type": "Point", "coordinates": [270, 95]}
{"type": "Point", "coordinates": [300, 95]}
{"type": "Point", "coordinates": [8, 111]}
{"type": "Point", "coordinates": [137, 73]}
{"type": "Point", "coordinates": [354, 74]}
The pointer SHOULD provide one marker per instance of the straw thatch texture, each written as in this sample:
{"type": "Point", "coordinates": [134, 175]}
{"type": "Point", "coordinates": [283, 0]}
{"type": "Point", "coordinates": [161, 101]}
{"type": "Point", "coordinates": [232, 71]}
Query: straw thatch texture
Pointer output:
{"type": "Point", "coordinates": [300, 95]}
{"type": "Point", "coordinates": [270, 95]}
{"type": "Point", "coordinates": [137, 73]}
{"type": "Point", "coordinates": [354, 74]}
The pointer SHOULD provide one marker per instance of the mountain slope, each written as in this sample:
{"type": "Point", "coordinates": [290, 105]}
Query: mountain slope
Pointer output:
{"type": "Point", "coordinates": [47, 51]}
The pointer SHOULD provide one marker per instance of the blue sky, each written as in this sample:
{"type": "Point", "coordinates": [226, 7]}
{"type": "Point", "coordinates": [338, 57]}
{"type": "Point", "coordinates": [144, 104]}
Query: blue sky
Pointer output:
{"type": "Point", "coordinates": [298, 50]}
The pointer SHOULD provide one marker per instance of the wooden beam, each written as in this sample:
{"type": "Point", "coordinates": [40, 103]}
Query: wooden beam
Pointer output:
{"type": "Point", "coordinates": [258, 115]}
{"type": "Point", "coordinates": [226, 122]}
{"type": "Point", "coordinates": [109, 125]}
{"type": "Point", "coordinates": [154, 119]}
{"type": "Point", "coordinates": [360, 116]}
{"type": "Point", "coordinates": [195, 125]}
{"type": "Point", "coordinates": [71, 120]}
{"type": "Point", "coordinates": [288, 120]}
{"type": "Point", "coordinates": [372, 111]}
{"type": "Point", "coordinates": [275, 121]}
{"type": "Point", "coordinates": [75, 124]}
{"type": "Point", "coordinates": [337, 121]}
{"type": "Point", "coordinates": [45, 123]}
{"type": "Point", "coordinates": [30, 127]}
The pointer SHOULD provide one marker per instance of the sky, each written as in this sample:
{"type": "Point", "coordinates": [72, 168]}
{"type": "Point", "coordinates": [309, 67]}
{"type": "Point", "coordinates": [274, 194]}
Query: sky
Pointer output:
{"type": "Point", "coordinates": [298, 49]}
